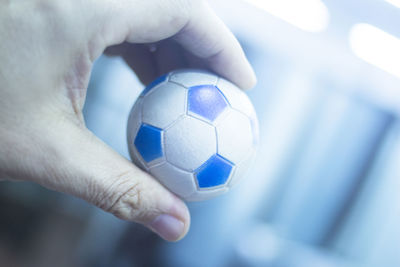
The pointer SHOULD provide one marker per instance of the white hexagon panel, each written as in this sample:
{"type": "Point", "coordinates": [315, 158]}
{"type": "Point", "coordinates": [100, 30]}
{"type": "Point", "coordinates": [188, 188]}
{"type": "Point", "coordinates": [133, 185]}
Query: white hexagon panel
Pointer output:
{"type": "Point", "coordinates": [235, 136]}
{"type": "Point", "coordinates": [242, 168]}
{"type": "Point", "coordinates": [163, 105]}
{"type": "Point", "coordinates": [189, 143]}
{"type": "Point", "coordinates": [236, 97]}
{"type": "Point", "coordinates": [239, 101]}
{"type": "Point", "coordinates": [183, 183]}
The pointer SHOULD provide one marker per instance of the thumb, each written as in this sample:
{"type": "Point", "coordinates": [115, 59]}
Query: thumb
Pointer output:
{"type": "Point", "coordinates": [89, 169]}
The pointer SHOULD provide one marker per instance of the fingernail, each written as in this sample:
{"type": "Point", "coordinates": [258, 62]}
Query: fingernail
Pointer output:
{"type": "Point", "coordinates": [168, 227]}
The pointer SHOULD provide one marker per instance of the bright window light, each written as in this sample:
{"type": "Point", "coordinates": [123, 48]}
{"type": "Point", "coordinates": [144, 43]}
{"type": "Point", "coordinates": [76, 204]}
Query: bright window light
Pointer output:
{"type": "Point", "coordinates": [376, 47]}
{"type": "Point", "coordinates": [396, 3]}
{"type": "Point", "coordinates": [308, 15]}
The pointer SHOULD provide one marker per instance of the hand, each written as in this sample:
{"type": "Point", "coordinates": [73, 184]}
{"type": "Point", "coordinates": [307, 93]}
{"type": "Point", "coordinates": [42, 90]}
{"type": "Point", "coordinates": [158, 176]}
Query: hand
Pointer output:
{"type": "Point", "coordinates": [47, 50]}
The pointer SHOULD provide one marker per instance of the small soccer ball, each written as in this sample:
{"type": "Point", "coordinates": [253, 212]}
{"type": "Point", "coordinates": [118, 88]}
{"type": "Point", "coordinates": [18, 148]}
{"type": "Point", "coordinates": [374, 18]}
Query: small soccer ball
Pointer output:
{"type": "Point", "coordinates": [195, 132]}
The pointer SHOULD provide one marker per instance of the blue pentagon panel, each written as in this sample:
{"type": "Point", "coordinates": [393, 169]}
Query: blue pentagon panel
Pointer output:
{"type": "Point", "coordinates": [214, 172]}
{"type": "Point", "coordinates": [154, 83]}
{"type": "Point", "coordinates": [206, 101]}
{"type": "Point", "coordinates": [148, 142]}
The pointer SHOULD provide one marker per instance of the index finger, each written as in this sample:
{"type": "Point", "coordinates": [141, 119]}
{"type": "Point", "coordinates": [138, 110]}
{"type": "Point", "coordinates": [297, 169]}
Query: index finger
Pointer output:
{"type": "Point", "coordinates": [207, 37]}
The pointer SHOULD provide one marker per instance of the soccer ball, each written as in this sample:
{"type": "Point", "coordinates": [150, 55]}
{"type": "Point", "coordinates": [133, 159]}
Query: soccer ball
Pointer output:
{"type": "Point", "coordinates": [195, 132]}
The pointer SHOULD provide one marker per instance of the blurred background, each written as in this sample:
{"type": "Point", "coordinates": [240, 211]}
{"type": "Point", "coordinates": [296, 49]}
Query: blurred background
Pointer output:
{"type": "Point", "coordinates": [325, 187]}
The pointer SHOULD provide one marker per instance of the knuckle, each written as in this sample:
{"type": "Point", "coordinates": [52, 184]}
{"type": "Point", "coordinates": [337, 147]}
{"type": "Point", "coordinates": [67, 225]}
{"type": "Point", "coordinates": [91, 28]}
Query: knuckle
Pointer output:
{"type": "Point", "coordinates": [47, 10]}
{"type": "Point", "coordinates": [128, 203]}
{"type": "Point", "coordinates": [124, 198]}
{"type": "Point", "coordinates": [193, 5]}
{"type": "Point", "coordinates": [188, 7]}
{"type": "Point", "coordinates": [189, 10]}
{"type": "Point", "coordinates": [185, 5]}
{"type": "Point", "coordinates": [46, 6]}
{"type": "Point", "coordinates": [177, 13]}
{"type": "Point", "coordinates": [59, 20]}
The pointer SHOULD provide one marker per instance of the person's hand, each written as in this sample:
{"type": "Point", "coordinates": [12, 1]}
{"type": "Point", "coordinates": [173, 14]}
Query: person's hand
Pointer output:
{"type": "Point", "coordinates": [47, 49]}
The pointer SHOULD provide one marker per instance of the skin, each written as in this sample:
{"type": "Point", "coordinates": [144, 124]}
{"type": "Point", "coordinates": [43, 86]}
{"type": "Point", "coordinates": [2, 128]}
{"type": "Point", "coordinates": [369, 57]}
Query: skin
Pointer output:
{"type": "Point", "coordinates": [47, 50]}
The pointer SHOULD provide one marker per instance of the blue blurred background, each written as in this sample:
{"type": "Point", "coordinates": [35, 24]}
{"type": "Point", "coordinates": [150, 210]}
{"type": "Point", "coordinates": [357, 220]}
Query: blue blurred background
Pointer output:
{"type": "Point", "coordinates": [325, 187]}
